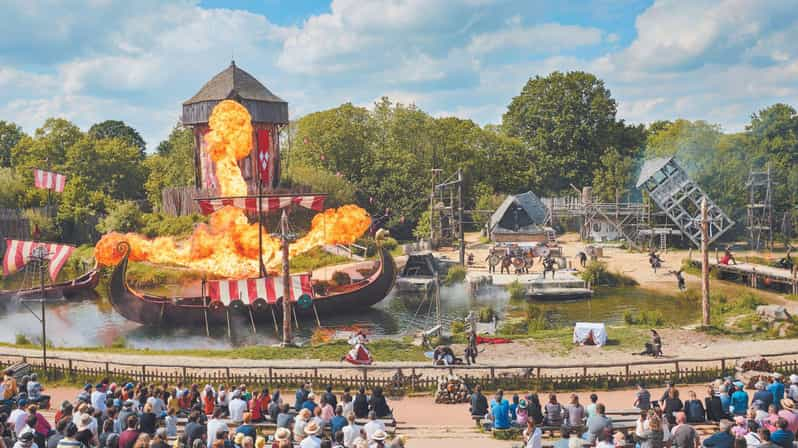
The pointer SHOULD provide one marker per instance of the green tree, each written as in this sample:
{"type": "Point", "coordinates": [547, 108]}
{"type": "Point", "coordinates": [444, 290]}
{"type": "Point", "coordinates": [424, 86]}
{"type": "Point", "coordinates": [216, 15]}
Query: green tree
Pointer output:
{"type": "Point", "coordinates": [111, 166]}
{"type": "Point", "coordinates": [12, 189]}
{"type": "Point", "coordinates": [172, 165]}
{"type": "Point", "coordinates": [774, 139]}
{"type": "Point", "coordinates": [117, 129]}
{"type": "Point", "coordinates": [613, 178]}
{"type": "Point", "coordinates": [10, 135]}
{"type": "Point", "coordinates": [79, 210]}
{"type": "Point", "coordinates": [567, 121]}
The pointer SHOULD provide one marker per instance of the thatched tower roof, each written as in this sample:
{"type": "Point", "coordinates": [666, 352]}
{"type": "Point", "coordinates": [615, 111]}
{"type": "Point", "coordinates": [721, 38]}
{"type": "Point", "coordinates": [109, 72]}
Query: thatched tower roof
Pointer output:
{"type": "Point", "coordinates": [235, 84]}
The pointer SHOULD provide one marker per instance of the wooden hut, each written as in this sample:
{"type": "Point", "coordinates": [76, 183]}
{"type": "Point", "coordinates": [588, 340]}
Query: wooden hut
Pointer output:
{"type": "Point", "coordinates": [519, 219]}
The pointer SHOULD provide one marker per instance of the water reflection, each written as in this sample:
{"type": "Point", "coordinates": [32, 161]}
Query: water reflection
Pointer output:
{"type": "Point", "coordinates": [95, 323]}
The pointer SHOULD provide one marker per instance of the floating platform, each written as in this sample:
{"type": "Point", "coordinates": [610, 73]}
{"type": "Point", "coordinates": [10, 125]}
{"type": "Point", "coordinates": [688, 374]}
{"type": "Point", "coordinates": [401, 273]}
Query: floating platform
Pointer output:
{"type": "Point", "coordinates": [564, 285]}
{"type": "Point", "coordinates": [757, 275]}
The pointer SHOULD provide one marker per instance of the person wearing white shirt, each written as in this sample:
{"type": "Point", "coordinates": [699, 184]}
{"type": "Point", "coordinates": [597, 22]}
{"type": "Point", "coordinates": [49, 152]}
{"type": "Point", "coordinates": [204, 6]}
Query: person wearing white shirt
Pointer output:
{"type": "Point", "coordinates": [215, 424]}
{"type": "Point", "coordinates": [351, 431]}
{"type": "Point", "coordinates": [17, 418]}
{"type": "Point", "coordinates": [98, 398]}
{"type": "Point", "coordinates": [237, 407]}
{"type": "Point", "coordinates": [533, 435]}
{"type": "Point", "coordinates": [373, 425]}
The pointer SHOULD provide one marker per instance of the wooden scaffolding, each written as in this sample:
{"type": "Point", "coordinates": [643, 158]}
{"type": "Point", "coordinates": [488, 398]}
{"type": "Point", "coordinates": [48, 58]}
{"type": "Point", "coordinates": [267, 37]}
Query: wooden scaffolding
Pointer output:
{"type": "Point", "coordinates": [760, 208]}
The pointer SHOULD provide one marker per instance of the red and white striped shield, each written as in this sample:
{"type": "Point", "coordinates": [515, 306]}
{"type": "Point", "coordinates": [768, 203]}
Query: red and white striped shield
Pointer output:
{"type": "Point", "coordinates": [250, 289]}
{"type": "Point", "coordinates": [18, 254]}
{"type": "Point", "coordinates": [313, 202]}
{"type": "Point", "coordinates": [48, 180]}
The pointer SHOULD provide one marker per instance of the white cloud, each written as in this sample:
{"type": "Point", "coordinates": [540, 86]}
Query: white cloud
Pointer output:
{"type": "Point", "coordinates": [548, 37]}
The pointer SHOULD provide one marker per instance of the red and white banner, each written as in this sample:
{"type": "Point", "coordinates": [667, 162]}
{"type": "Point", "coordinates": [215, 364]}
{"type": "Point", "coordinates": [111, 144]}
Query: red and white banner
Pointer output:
{"type": "Point", "coordinates": [250, 289]}
{"type": "Point", "coordinates": [18, 254]}
{"type": "Point", "coordinates": [208, 206]}
{"type": "Point", "coordinates": [48, 180]}
{"type": "Point", "coordinates": [264, 156]}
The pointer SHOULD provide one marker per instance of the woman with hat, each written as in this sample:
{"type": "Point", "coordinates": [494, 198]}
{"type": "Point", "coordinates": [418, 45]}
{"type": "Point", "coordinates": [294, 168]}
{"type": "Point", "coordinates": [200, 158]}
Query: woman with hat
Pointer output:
{"type": "Point", "coordinates": [282, 438]}
{"type": "Point", "coordinates": [300, 422]}
{"type": "Point", "coordinates": [85, 434]}
{"type": "Point", "coordinates": [787, 412]}
{"type": "Point", "coordinates": [378, 438]}
{"type": "Point", "coordinates": [311, 439]}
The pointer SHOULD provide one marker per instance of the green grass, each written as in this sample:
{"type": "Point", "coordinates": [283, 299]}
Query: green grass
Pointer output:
{"type": "Point", "coordinates": [382, 349]}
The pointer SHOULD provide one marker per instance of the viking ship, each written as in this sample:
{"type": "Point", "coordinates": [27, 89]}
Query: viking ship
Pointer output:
{"type": "Point", "coordinates": [154, 310]}
{"type": "Point", "coordinates": [77, 288]}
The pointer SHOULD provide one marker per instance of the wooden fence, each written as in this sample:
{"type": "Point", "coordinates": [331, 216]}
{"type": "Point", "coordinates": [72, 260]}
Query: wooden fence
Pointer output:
{"type": "Point", "coordinates": [400, 379]}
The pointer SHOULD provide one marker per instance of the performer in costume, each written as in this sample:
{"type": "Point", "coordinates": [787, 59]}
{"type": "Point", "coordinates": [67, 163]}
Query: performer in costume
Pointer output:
{"type": "Point", "coordinates": [359, 354]}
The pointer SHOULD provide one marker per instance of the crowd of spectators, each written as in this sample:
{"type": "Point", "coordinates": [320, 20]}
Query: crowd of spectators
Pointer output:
{"type": "Point", "coordinates": [109, 415]}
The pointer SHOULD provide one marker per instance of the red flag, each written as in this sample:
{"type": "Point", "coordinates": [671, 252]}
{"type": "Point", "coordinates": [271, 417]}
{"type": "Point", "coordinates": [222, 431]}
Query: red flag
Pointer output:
{"type": "Point", "coordinates": [47, 180]}
{"type": "Point", "coordinates": [264, 156]}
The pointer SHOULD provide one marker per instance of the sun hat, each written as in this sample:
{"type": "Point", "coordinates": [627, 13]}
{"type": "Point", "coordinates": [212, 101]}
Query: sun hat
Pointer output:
{"type": "Point", "coordinates": [777, 375]}
{"type": "Point", "coordinates": [311, 396]}
{"type": "Point", "coordinates": [312, 428]}
{"type": "Point", "coordinates": [794, 378]}
{"type": "Point", "coordinates": [85, 422]}
{"type": "Point", "coordinates": [739, 384]}
{"type": "Point", "coordinates": [787, 403]}
{"type": "Point", "coordinates": [282, 434]}
{"type": "Point", "coordinates": [379, 435]}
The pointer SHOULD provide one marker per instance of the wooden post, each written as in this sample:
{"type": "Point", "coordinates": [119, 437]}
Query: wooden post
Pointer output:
{"type": "Point", "coordinates": [678, 373]}
{"type": "Point", "coordinates": [722, 366]}
{"type": "Point", "coordinates": [627, 373]}
{"type": "Point", "coordinates": [704, 264]}
{"type": "Point", "coordinates": [107, 370]}
{"type": "Point", "coordinates": [143, 373]}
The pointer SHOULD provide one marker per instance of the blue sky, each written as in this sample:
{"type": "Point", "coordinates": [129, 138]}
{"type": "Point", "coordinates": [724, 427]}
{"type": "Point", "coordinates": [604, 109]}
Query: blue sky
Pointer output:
{"type": "Point", "coordinates": [717, 60]}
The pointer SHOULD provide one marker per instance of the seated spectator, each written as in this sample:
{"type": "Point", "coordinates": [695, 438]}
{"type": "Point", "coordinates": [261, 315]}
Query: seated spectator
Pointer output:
{"type": "Point", "coordinates": [26, 441]}
{"type": "Point", "coordinates": [246, 427]}
{"type": "Point", "coordinates": [652, 437]}
{"type": "Point", "coordinates": [148, 421]}
{"type": "Point", "coordinates": [739, 400]}
{"type": "Point", "coordinates": [500, 411]}
{"type": "Point", "coordinates": [673, 404]}
{"type": "Point", "coordinates": [714, 406]}
{"type": "Point", "coordinates": [302, 419]}
{"type": "Point", "coordinates": [762, 395]}
{"type": "Point", "coordinates": [782, 436]}
{"type": "Point", "coordinates": [521, 414]}
{"type": "Point", "coordinates": [574, 413]}
{"type": "Point", "coordinates": [312, 440]}
{"type": "Point", "coordinates": [787, 412]}
{"type": "Point", "coordinates": [310, 402]}
{"type": "Point", "coordinates": [326, 412]}
{"type": "Point", "coordinates": [532, 435]}
{"type": "Point", "coordinates": [722, 438]}
{"type": "Point", "coordinates": [338, 421]}
{"type": "Point", "coordinates": [214, 426]}
{"type": "Point", "coordinates": [764, 437]}
{"type": "Point", "coordinates": [351, 431]}
{"type": "Point", "coordinates": [237, 407]}
{"type": "Point", "coordinates": [597, 424]}
{"type": "Point", "coordinates": [740, 428]}
{"type": "Point", "coordinates": [329, 397]}
{"type": "Point", "coordinates": [642, 398]}
{"type": "Point", "coordinates": [378, 403]}
{"type": "Point", "coordinates": [85, 435]}
{"type": "Point", "coordinates": [171, 423]}
{"type": "Point", "coordinates": [590, 409]}
{"type": "Point", "coordinates": [129, 436]}
{"type": "Point", "coordinates": [361, 404]}
{"type": "Point", "coordinates": [513, 406]}
{"type": "Point", "coordinates": [694, 409]}
{"type": "Point", "coordinates": [69, 440]}
{"type": "Point", "coordinates": [553, 412]}
{"type": "Point", "coordinates": [752, 437]}
{"type": "Point", "coordinates": [479, 405]}
{"type": "Point", "coordinates": [374, 425]}
{"type": "Point", "coordinates": [274, 405]}
{"type": "Point", "coordinates": [284, 418]}
{"type": "Point", "coordinates": [533, 409]}
{"type": "Point", "coordinates": [683, 435]}
{"type": "Point", "coordinates": [160, 440]}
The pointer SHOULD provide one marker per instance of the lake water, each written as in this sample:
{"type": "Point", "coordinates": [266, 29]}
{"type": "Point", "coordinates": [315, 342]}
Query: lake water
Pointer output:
{"type": "Point", "coordinates": [93, 322]}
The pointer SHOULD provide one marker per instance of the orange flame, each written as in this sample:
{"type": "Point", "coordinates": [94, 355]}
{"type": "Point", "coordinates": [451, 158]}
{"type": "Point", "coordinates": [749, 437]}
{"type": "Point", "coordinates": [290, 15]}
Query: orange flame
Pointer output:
{"type": "Point", "coordinates": [228, 245]}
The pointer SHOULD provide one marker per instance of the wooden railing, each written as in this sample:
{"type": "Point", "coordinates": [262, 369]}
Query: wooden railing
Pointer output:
{"type": "Point", "coordinates": [401, 378]}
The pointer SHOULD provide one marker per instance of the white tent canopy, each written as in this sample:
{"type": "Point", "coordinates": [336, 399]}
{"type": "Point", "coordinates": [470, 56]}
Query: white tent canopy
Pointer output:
{"type": "Point", "coordinates": [590, 333]}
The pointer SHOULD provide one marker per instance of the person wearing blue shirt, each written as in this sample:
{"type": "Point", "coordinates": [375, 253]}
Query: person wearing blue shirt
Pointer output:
{"type": "Point", "coordinates": [725, 398]}
{"type": "Point", "coordinates": [500, 411]}
{"type": "Point", "coordinates": [722, 438]}
{"type": "Point", "coordinates": [338, 421]}
{"type": "Point", "coordinates": [777, 389]}
{"type": "Point", "coordinates": [782, 436]}
{"type": "Point", "coordinates": [739, 400]}
{"type": "Point", "coordinates": [513, 407]}
{"type": "Point", "coordinates": [310, 403]}
{"type": "Point", "coordinates": [301, 396]}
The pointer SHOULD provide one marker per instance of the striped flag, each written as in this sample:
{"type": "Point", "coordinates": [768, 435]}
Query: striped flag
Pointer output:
{"type": "Point", "coordinates": [48, 180]}
{"type": "Point", "coordinates": [18, 254]}
{"type": "Point", "coordinates": [250, 289]}
{"type": "Point", "coordinates": [268, 204]}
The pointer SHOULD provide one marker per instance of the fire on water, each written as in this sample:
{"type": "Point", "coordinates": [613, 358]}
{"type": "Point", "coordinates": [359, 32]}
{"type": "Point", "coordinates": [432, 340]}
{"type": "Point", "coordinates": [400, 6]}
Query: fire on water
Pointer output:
{"type": "Point", "coordinates": [228, 245]}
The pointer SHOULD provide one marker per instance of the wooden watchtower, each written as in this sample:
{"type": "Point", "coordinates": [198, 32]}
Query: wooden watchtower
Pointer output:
{"type": "Point", "coordinates": [269, 115]}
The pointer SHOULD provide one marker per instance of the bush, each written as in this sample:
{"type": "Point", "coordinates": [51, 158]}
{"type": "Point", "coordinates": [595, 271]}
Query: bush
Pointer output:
{"type": "Point", "coordinates": [341, 278]}
{"type": "Point", "coordinates": [119, 342]}
{"type": "Point", "coordinates": [517, 291]}
{"type": "Point", "coordinates": [598, 273]}
{"type": "Point", "coordinates": [48, 228]}
{"type": "Point", "coordinates": [124, 217]}
{"type": "Point", "coordinates": [158, 224]}
{"type": "Point", "coordinates": [456, 274]}
{"type": "Point", "coordinates": [21, 339]}
{"type": "Point", "coordinates": [340, 190]}
{"type": "Point", "coordinates": [486, 314]}
{"type": "Point", "coordinates": [645, 318]}
{"type": "Point", "coordinates": [458, 327]}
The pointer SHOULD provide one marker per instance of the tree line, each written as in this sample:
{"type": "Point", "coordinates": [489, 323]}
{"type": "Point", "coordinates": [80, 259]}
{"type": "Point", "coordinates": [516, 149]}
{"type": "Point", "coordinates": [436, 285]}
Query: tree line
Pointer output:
{"type": "Point", "coordinates": [560, 130]}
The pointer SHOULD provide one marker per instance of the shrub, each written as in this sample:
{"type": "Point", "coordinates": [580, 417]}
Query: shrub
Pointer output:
{"type": "Point", "coordinates": [629, 317]}
{"type": "Point", "coordinates": [598, 273]}
{"type": "Point", "coordinates": [458, 327]}
{"type": "Point", "coordinates": [157, 224]}
{"type": "Point", "coordinates": [341, 278]}
{"type": "Point", "coordinates": [21, 339]}
{"type": "Point", "coordinates": [124, 216]}
{"type": "Point", "coordinates": [486, 314]}
{"type": "Point", "coordinates": [119, 342]}
{"type": "Point", "coordinates": [456, 274]}
{"type": "Point", "coordinates": [513, 327]}
{"type": "Point", "coordinates": [517, 291]}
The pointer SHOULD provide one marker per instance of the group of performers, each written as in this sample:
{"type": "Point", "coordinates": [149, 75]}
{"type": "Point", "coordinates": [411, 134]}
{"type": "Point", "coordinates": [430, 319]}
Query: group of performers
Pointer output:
{"type": "Point", "coordinates": [522, 261]}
